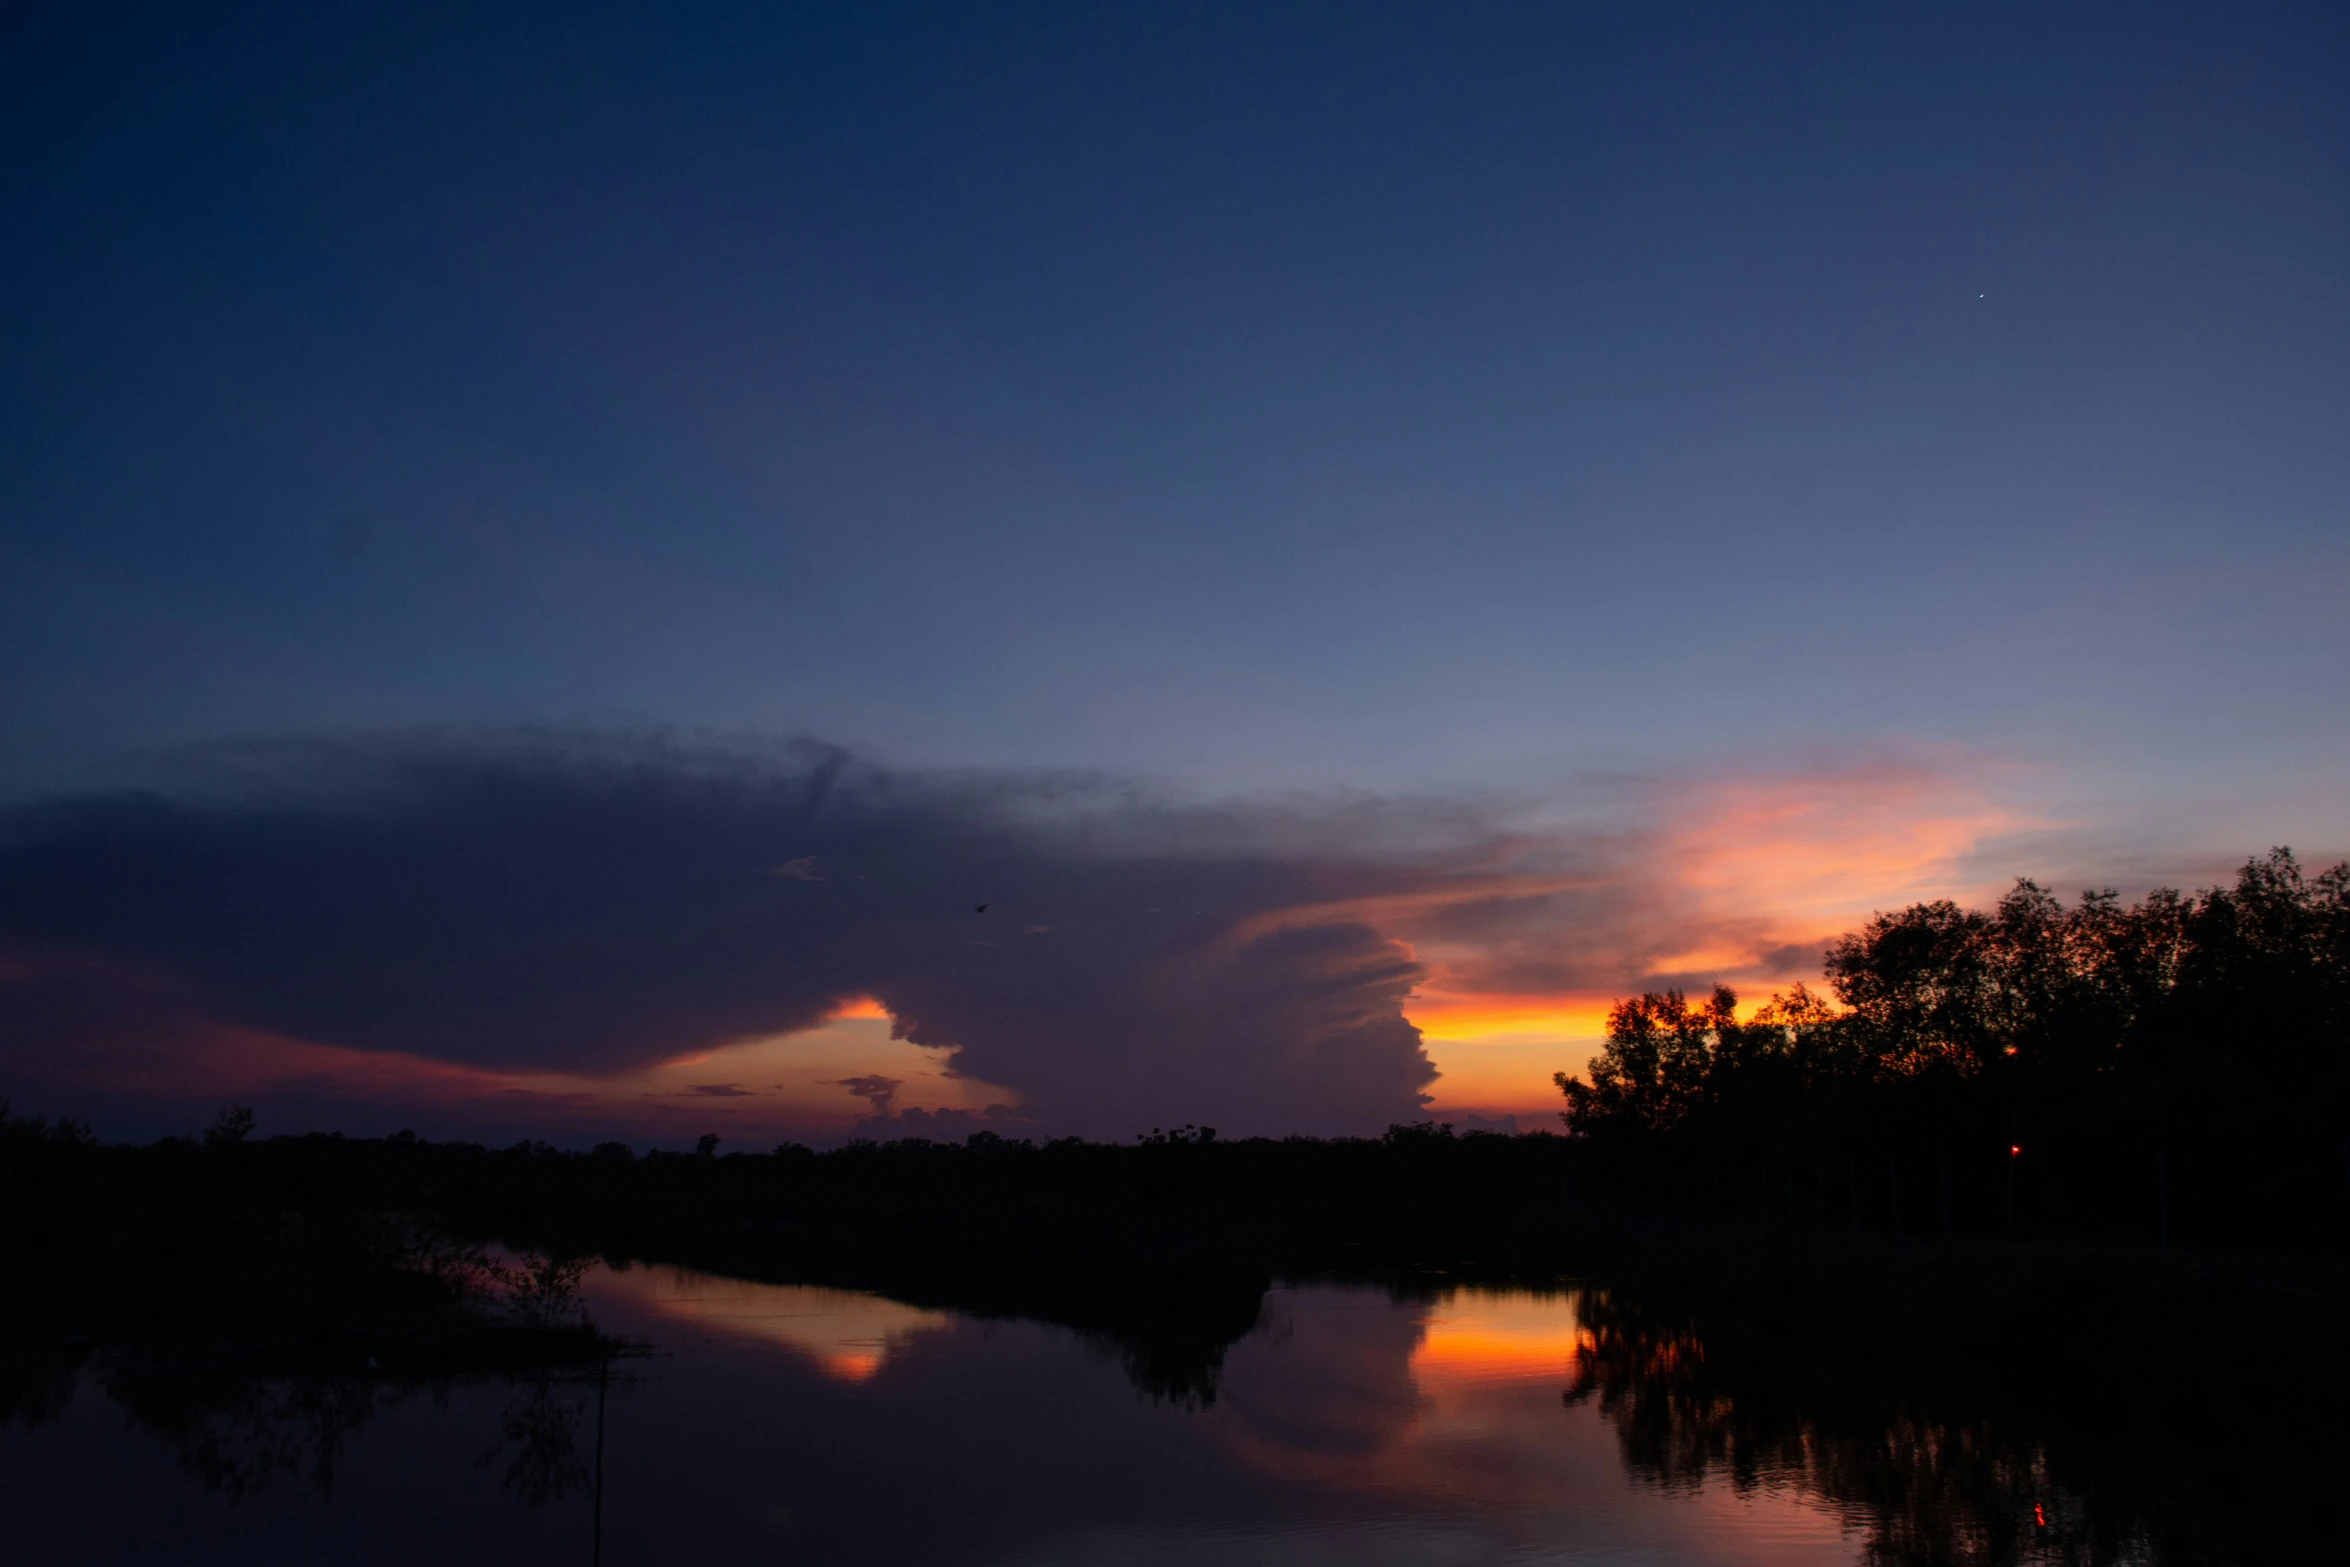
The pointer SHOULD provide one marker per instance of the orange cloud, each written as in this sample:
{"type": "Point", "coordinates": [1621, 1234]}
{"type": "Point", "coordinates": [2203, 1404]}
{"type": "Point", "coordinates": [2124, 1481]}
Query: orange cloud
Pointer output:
{"type": "Point", "coordinates": [1741, 880]}
{"type": "Point", "coordinates": [1504, 942]}
{"type": "Point", "coordinates": [1819, 851]}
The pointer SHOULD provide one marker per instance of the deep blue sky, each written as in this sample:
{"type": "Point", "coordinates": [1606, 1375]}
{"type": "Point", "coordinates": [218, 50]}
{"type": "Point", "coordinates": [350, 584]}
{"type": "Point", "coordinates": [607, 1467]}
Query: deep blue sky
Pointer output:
{"type": "Point", "coordinates": [1344, 394]}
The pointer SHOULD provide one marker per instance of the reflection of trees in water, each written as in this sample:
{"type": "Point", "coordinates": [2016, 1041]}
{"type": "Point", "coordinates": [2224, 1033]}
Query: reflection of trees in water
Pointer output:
{"type": "Point", "coordinates": [239, 1435]}
{"type": "Point", "coordinates": [1172, 1347]}
{"type": "Point", "coordinates": [539, 1437]}
{"type": "Point", "coordinates": [1166, 1369]}
{"type": "Point", "coordinates": [1930, 1491]}
{"type": "Point", "coordinates": [35, 1393]}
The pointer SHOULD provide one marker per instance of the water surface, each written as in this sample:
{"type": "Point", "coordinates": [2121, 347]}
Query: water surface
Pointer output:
{"type": "Point", "coordinates": [1354, 1424]}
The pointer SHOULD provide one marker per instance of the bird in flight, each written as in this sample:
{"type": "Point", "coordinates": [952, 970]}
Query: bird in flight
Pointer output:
{"type": "Point", "coordinates": [979, 908]}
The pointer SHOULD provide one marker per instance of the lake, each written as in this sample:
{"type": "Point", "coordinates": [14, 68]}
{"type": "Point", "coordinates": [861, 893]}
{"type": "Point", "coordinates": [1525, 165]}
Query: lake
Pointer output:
{"type": "Point", "coordinates": [1415, 1424]}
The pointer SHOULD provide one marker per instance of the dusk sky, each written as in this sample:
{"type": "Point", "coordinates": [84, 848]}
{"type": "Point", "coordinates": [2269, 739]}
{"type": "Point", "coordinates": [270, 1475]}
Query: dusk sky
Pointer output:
{"type": "Point", "coordinates": [1361, 533]}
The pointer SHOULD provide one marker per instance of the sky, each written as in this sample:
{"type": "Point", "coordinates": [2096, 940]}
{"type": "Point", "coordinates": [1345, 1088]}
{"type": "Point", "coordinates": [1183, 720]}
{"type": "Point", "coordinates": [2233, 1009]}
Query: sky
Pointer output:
{"type": "Point", "coordinates": [1481, 510]}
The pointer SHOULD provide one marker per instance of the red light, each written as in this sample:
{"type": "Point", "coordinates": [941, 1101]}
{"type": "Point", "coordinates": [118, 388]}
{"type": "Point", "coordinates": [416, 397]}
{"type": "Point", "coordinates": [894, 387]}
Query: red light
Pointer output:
{"type": "Point", "coordinates": [2013, 1149]}
{"type": "Point", "coordinates": [2039, 1517]}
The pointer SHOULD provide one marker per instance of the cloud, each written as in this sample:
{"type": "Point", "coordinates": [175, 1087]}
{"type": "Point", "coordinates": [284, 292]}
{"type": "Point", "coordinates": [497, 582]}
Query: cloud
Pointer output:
{"type": "Point", "coordinates": [537, 904]}
{"type": "Point", "coordinates": [516, 919]}
{"type": "Point", "coordinates": [1741, 875]}
{"type": "Point", "coordinates": [874, 1088]}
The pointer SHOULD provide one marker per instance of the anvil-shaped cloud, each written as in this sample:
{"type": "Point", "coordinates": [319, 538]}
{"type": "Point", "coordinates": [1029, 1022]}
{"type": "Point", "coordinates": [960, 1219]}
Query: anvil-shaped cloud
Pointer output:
{"type": "Point", "coordinates": [597, 906]}
{"type": "Point", "coordinates": [480, 911]}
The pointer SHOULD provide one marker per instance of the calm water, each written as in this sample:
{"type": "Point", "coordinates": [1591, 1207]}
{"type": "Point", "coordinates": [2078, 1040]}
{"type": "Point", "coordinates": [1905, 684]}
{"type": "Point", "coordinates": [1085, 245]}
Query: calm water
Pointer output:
{"type": "Point", "coordinates": [792, 1424]}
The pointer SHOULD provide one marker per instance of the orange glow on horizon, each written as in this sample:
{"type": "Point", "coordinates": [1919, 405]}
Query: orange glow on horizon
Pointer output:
{"type": "Point", "coordinates": [1744, 873]}
{"type": "Point", "coordinates": [1739, 880]}
{"type": "Point", "coordinates": [1467, 1018]}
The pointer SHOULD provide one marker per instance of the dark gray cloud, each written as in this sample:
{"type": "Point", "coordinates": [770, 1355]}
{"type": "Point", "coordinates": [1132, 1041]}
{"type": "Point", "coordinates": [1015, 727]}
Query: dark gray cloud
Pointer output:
{"type": "Point", "coordinates": [594, 905]}
{"type": "Point", "coordinates": [874, 1088]}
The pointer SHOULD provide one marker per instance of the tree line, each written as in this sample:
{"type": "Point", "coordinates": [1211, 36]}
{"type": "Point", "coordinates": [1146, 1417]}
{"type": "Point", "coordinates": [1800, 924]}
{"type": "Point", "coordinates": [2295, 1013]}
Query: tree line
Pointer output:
{"type": "Point", "coordinates": [2174, 1069]}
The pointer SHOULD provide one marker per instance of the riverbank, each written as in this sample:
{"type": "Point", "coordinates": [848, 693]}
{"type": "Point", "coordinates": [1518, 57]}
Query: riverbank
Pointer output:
{"type": "Point", "coordinates": [183, 1257]}
{"type": "Point", "coordinates": [331, 1253]}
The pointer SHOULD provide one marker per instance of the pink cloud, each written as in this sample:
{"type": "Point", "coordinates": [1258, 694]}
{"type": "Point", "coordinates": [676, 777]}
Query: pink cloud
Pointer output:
{"type": "Point", "coordinates": [1259, 967]}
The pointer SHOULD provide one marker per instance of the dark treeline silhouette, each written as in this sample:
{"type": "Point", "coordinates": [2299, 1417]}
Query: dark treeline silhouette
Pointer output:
{"type": "Point", "coordinates": [255, 1319]}
{"type": "Point", "coordinates": [2048, 1157]}
{"type": "Point", "coordinates": [2125, 1082]}
{"type": "Point", "coordinates": [1160, 1249]}
{"type": "Point", "coordinates": [219, 1251]}
{"type": "Point", "coordinates": [2174, 1072]}
{"type": "Point", "coordinates": [324, 1252]}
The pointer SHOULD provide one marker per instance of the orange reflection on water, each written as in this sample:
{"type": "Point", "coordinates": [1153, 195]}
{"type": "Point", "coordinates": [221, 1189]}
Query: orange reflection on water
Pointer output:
{"type": "Point", "coordinates": [1476, 1337]}
{"type": "Point", "coordinates": [1460, 1410]}
{"type": "Point", "coordinates": [848, 1336]}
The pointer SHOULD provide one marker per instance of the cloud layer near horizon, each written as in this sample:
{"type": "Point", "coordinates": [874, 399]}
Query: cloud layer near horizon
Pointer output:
{"type": "Point", "coordinates": [440, 918]}
{"type": "Point", "coordinates": [598, 907]}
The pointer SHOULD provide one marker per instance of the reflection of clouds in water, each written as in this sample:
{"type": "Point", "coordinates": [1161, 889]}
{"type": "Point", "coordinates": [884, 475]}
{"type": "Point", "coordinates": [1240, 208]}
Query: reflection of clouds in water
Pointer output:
{"type": "Point", "coordinates": [794, 1423]}
{"type": "Point", "coordinates": [1425, 1414]}
{"type": "Point", "coordinates": [1454, 1404]}
{"type": "Point", "coordinates": [848, 1335]}
{"type": "Point", "coordinates": [1329, 1374]}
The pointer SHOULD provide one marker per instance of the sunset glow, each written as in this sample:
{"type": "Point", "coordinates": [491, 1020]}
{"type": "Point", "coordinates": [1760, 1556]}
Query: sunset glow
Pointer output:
{"type": "Point", "coordinates": [1747, 881]}
{"type": "Point", "coordinates": [675, 637]}
{"type": "Point", "coordinates": [1185, 682]}
{"type": "Point", "coordinates": [1738, 880]}
{"type": "Point", "coordinates": [1813, 853]}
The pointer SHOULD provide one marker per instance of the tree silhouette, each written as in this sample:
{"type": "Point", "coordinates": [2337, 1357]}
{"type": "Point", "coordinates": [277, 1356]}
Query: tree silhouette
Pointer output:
{"type": "Point", "coordinates": [2109, 1030]}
